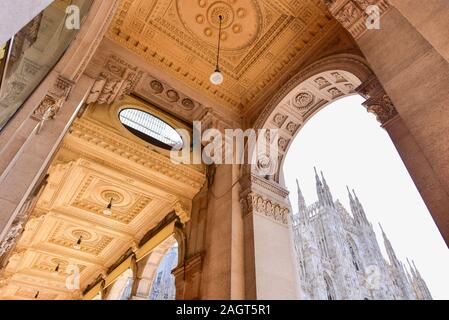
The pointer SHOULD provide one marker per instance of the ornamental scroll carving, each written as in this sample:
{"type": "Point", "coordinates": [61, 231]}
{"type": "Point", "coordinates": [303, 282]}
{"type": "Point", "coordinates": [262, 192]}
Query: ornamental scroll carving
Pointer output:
{"type": "Point", "coordinates": [263, 197]}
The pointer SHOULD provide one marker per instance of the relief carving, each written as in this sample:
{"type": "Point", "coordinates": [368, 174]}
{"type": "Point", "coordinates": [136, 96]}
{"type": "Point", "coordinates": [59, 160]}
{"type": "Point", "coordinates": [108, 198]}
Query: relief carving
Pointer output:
{"type": "Point", "coordinates": [352, 13]}
{"type": "Point", "coordinates": [378, 102]}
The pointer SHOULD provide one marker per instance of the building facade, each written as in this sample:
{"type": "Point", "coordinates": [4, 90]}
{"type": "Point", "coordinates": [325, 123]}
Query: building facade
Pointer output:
{"type": "Point", "coordinates": [339, 257]}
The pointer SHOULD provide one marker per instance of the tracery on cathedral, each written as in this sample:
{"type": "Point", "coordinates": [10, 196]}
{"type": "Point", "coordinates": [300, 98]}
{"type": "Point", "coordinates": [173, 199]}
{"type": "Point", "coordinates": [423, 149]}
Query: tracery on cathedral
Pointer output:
{"type": "Point", "coordinates": [352, 266]}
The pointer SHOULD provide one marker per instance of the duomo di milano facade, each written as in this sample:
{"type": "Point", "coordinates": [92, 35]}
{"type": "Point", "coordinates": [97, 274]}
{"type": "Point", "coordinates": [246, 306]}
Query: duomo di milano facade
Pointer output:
{"type": "Point", "coordinates": [91, 203]}
{"type": "Point", "coordinates": [338, 256]}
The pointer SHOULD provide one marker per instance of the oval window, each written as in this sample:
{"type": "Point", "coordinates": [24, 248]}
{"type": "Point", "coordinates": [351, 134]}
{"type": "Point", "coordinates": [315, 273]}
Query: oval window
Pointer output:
{"type": "Point", "coordinates": [151, 129]}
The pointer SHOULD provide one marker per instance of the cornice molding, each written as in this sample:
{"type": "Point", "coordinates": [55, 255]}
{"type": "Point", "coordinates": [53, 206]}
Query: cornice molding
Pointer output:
{"type": "Point", "coordinates": [107, 140]}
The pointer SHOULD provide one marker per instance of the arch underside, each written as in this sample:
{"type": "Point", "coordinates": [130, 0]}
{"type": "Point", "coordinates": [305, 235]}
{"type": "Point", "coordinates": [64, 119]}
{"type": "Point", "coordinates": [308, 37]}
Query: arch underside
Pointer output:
{"type": "Point", "coordinates": [306, 94]}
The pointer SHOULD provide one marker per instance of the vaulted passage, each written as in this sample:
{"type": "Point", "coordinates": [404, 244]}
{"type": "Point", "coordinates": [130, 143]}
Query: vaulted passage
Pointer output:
{"type": "Point", "coordinates": [96, 96]}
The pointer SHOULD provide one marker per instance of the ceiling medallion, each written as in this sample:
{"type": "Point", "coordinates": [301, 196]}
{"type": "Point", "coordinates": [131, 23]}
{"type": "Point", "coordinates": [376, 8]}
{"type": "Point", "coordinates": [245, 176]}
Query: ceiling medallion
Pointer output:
{"type": "Point", "coordinates": [240, 25]}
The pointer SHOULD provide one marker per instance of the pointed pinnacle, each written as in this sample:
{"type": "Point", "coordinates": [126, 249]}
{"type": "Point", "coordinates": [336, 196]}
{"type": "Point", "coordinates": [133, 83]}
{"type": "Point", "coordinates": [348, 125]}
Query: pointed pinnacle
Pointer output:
{"type": "Point", "coordinates": [383, 232]}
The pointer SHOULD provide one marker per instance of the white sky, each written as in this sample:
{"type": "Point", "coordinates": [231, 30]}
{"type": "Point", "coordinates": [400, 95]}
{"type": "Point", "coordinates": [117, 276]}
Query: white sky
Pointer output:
{"type": "Point", "coordinates": [348, 145]}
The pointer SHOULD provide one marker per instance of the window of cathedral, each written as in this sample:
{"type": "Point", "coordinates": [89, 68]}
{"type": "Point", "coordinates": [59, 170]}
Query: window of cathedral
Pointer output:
{"type": "Point", "coordinates": [27, 58]}
{"type": "Point", "coordinates": [151, 129]}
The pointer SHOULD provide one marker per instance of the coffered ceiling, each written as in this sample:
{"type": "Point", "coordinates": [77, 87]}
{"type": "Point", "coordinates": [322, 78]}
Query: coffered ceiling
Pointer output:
{"type": "Point", "coordinates": [262, 40]}
{"type": "Point", "coordinates": [99, 160]}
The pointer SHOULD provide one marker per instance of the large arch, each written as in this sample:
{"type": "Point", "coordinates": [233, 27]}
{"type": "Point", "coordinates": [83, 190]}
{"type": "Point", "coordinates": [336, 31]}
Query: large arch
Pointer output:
{"type": "Point", "coordinates": [306, 93]}
{"type": "Point", "coordinates": [266, 196]}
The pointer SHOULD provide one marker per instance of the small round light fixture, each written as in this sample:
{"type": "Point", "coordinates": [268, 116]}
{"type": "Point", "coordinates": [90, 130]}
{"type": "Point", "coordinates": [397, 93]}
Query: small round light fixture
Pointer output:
{"type": "Point", "coordinates": [108, 210]}
{"type": "Point", "coordinates": [216, 78]}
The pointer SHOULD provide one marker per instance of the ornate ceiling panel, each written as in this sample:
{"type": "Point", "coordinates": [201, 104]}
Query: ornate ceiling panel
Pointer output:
{"type": "Point", "coordinates": [99, 160]}
{"type": "Point", "coordinates": [261, 41]}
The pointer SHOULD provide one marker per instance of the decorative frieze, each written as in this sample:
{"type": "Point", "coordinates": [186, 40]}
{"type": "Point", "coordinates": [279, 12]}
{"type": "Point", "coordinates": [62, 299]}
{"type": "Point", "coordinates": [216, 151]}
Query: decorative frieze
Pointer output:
{"type": "Point", "coordinates": [91, 133]}
{"type": "Point", "coordinates": [156, 90]}
{"type": "Point", "coordinates": [258, 204]}
{"type": "Point", "coordinates": [264, 197]}
{"type": "Point", "coordinates": [116, 79]}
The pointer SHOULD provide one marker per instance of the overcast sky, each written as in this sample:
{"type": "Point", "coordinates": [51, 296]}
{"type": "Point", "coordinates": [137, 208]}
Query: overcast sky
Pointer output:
{"type": "Point", "coordinates": [348, 145]}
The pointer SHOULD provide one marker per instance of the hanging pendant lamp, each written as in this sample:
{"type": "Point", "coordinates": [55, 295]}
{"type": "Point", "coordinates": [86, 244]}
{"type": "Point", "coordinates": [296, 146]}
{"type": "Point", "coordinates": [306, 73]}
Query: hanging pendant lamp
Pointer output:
{"type": "Point", "coordinates": [216, 78]}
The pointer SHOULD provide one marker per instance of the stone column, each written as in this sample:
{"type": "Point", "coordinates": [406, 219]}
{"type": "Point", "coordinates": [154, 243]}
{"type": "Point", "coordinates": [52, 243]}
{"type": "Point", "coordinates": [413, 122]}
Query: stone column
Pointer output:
{"type": "Point", "coordinates": [430, 18]}
{"type": "Point", "coordinates": [409, 56]}
{"type": "Point", "coordinates": [223, 263]}
{"type": "Point", "coordinates": [270, 271]}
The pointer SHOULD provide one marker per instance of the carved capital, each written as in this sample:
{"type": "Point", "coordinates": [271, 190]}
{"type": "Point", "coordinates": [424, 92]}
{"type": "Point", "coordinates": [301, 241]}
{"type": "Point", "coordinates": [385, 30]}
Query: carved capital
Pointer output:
{"type": "Point", "coordinates": [258, 204]}
{"type": "Point", "coordinates": [264, 197]}
{"type": "Point", "coordinates": [354, 14]}
{"type": "Point", "coordinates": [378, 102]}
{"type": "Point", "coordinates": [382, 107]}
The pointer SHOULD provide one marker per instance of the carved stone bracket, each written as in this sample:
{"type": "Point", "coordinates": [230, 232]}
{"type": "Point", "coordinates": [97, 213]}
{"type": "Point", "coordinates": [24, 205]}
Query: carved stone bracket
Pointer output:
{"type": "Point", "coordinates": [53, 100]}
{"type": "Point", "coordinates": [352, 14]}
{"type": "Point", "coordinates": [16, 229]}
{"type": "Point", "coordinates": [378, 102]}
{"type": "Point", "coordinates": [183, 210]}
{"type": "Point", "coordinates": [116, 79]}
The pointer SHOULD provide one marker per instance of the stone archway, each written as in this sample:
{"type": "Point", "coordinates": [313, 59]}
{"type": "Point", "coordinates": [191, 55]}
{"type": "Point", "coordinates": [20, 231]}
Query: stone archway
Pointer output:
{"type": "Point", "coordinates": [148, 267]}
{"type": "Point", "coordinates": [306, 93]}
{"type": "Point", "coordinates": [264, 198]}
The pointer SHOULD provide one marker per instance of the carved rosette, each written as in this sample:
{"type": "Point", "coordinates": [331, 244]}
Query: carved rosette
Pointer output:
{"type": "Point", "coordinates": [353, 15]}
{"type": "Point", "coordinates": [378, 102]}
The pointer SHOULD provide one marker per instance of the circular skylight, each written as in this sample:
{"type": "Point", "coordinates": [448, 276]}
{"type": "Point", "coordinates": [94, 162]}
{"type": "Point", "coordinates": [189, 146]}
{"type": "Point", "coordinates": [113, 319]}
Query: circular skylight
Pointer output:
{"type": "Point", "coordinates": [150, 128]}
